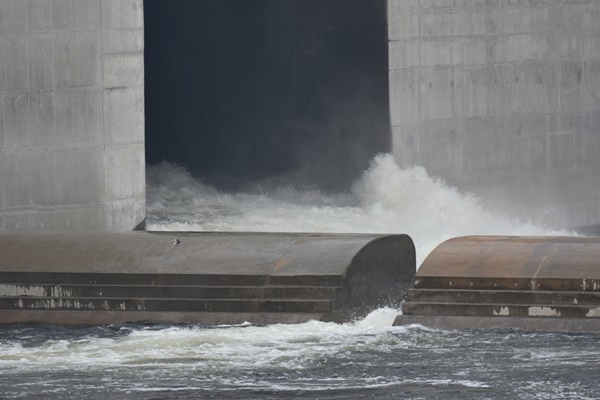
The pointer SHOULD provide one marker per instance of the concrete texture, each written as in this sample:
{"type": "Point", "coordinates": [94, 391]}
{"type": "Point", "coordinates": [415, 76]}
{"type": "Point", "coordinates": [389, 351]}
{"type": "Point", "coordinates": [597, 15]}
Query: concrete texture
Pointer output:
{"type": "Point", "coordinates": [517, 279]}
{"type": "Point", "coordinates": [502, 99]}
{"type": "Point", "coordinates": [205, 277]}
{"type": "Point", "coordinates": [71, 114]}
{"type": "Point", "coordinates": [499, 97]}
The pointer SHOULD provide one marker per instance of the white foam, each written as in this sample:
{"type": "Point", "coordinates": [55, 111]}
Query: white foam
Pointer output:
{"type": "Point", "coordinates": [382, 317]}
{"type": "Point", "coordinates": [386, 199]}
{"type": "Point", "coordinates": [243, 347]}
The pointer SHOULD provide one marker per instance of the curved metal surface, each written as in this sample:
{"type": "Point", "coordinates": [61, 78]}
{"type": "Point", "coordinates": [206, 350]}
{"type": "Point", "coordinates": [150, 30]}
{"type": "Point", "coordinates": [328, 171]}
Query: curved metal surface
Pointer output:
{"type": "Point", "coordinates": [331, 275]}
{"type": "Point", "coordinates": [501, 262]}
{"type": "Point", "coordinates": [197, 252]}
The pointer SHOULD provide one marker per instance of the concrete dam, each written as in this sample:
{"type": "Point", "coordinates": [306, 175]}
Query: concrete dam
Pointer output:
{"type": "Point", "coordinates": [499, 99]}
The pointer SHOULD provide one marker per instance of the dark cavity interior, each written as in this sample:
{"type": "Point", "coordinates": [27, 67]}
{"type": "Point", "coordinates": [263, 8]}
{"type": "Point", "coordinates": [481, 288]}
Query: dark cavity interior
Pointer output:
{"type": "Point", "coordinates": [282, 91]}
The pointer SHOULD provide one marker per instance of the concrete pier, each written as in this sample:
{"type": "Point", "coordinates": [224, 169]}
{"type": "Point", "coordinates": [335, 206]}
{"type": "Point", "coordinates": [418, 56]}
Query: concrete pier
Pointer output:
{"type": "Point", "coordinates": [72, 115]}
{"type": "Point", "coordinates": [209, 278]}
{"type": "Point", "coordinates": [501, 98]}
{"type": "Point", "coordinates": [539, 283]}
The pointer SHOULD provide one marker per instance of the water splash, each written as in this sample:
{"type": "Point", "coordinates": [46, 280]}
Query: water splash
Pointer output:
{"type": "Point", "coordinates": [364, 358]}
{"type": "Point", "coordinates": [386, 199]}
{"type": "Point", "coordinates": [367, 357]}
{"type": "Point", "coordinates": [241, 346]}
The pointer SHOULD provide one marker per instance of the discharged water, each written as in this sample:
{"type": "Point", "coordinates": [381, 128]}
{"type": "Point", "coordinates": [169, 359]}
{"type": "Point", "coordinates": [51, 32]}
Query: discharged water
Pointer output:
{"type": "Point", "coordinates": [386, 199]}
{"type": "Point", "coordinates": [315, 360]}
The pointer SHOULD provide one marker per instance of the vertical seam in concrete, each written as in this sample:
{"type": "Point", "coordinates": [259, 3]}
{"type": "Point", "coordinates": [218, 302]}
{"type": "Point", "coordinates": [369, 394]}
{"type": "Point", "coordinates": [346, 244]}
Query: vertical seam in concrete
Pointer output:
{"type": "Point", "coordinates": [417, 123]}
{"type": "Point", "coordinates": [100, 83]}
{"type": "Point", "coordinates": [54, 105]}
{"type": "Point", "coordinates": [57, 195]}
{"type": "Point", "coordinates": [28, 56]}
{"type": "Point", "coordinates": [389, 81]}
{"type": "Point", "coordinates": [2, 96]}
{"type": "Point", "coordinates": [3, 152]}
{"type": "Point", "coordinates": [547, 145]}
{"type": "Point", "coordinates": [144, 116]}
{"type": "Point", "coordinates": [53, 67]}
{"type": "Point", "coordinates": [28, 89]}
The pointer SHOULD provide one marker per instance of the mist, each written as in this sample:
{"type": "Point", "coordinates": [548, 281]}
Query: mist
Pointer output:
{"type": "Point", "coordinates": [277, 91]}
{"type": "Point", "coordinates": [385, 199]}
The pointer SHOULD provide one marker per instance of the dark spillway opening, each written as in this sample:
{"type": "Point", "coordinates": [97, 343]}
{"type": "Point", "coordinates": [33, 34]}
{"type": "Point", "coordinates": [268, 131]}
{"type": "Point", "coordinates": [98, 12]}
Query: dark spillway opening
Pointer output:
{"type": "Point", "coordinates": [242, 91]}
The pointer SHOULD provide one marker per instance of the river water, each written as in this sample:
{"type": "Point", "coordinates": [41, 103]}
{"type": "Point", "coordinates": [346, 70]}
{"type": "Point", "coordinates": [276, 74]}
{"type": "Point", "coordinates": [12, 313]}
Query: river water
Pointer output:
{"type": "Point", "coordinates": [314, 360]}
{"type": "Point", "coordinates": [369, 358]}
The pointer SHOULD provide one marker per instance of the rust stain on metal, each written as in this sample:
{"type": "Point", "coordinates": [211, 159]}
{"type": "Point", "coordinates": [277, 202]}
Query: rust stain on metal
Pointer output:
{"type": "Point", "coordinates": [533, 263]}
{"type": "Point", "coordinates": [280, 264]}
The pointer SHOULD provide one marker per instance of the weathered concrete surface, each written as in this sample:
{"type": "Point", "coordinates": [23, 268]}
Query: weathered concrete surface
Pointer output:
{"type": "Point", "coordinates": [501, 98]}
{"type": "Point", "coordinates": [518, 279]}
{"type": "Point", "coordinates": [71, 114]}
{"type": "Point", "coordinates": [206, 277]}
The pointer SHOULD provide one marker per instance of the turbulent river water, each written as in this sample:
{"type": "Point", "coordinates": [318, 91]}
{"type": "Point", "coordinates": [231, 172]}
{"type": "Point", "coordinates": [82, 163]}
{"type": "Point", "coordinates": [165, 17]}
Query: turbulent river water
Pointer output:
{"type": "Point", "coordinates": [315, 360]}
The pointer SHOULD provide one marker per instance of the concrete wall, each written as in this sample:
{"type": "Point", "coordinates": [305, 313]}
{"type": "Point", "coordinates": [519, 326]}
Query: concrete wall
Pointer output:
{"type": "Point", "coordinates": [502, 98]}
{"type": "Point", "coordinates": [71, 114]}
{"type": "Point", "coordinates": [499, 97]}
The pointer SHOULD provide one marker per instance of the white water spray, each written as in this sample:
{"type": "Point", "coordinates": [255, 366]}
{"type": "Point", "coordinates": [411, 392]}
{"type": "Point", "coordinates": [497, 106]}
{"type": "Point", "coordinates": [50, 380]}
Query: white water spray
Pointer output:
{"type": "Point", "coordinates": [314, 356]}
{"type": "Point", "coordinates": [225, 347]}
{"type": "Point", "coordinates": [386, 199]}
